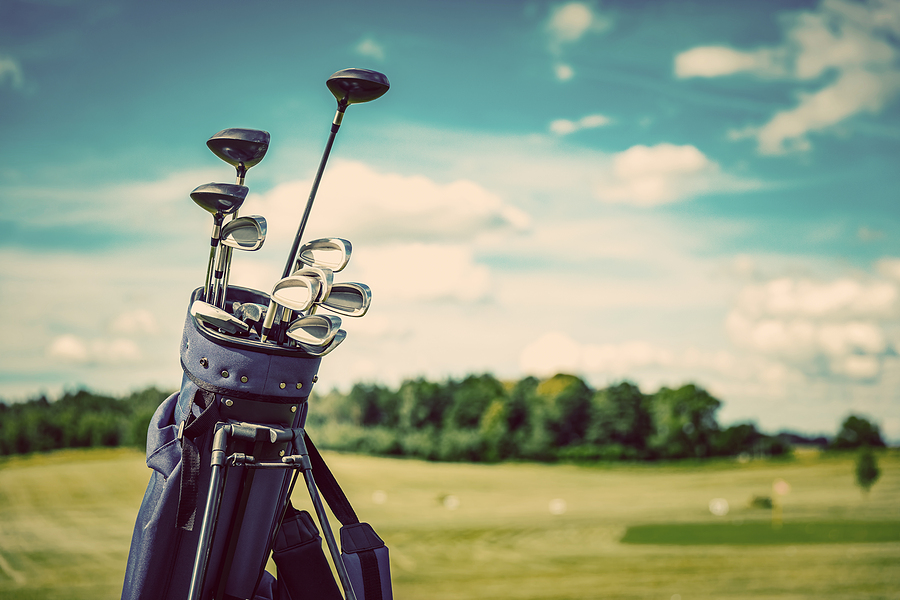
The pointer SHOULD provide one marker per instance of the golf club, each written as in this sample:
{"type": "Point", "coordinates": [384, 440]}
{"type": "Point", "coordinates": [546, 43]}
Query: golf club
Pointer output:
{"type": "Point", "coordinates": [325, 278]}
{"type": "Point", "coordinates": [219, 199]}
{"type": "Point", "coordinates": [349, 86]}
{"type": "Point", "coordinates": [216, 317]}
{"type": "Point", "coordinates": [314, 330]}
{"type": "Point", "coordinates": [348, 299]}
{"type": "Point", "coordinates": [295, 293]}
{"type": "Point", "coordinates": [244, 233]}
{"type": "Point", "coordinates": [241, 148]}
{"type": "Point", "coordinates": [339, 337]}
{"type": "Point", "coordinates": [333, 253]}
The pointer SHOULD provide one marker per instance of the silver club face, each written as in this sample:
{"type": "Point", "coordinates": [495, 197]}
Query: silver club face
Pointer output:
{"type": "Point", "coordinates": [323, 350]}
{"type": "Point", "coordinates": [220, 198]}
{"type": "Point", "coordinates": [218, 318]}
{"type": "Point", "coordinates": [296, 292]}
{"type": "Point", "coordinates": [323, 275]}
{"type": "Point", "coordinates": [330, 253]}
{"type": "Point", "coordinates": [349, 299]}
{"type": "Point", "coordinates": [245, 233]}
{"type": "Point", "coordinates": [314, 330]}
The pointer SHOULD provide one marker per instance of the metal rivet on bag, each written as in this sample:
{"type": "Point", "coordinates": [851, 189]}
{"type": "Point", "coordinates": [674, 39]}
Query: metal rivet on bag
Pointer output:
{"type": "Point", "coordinates": [299, 385]}
{"type": "Point", "coordinates": [282, 385]}
{"type": "Point", "coordinates": [204, 363]}
{"type": "Point", "coordinates": [243, 379]}
{"type": "Point", "coordinates": [281, 453]}
{"type": "Point", "coordinates": [225, 374]}
{"type": "Point", "coordinates": [229, 403]}
{"type": "Point", "coordinates": [293, 409]}
{"type": "Point", "coordinates": [315, 378]}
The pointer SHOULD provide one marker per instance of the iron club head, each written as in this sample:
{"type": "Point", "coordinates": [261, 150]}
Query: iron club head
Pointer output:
{"type": "Point", "coordinates": [348, 299]}
{"type": "Point", "coordinates": [314, 330]}
{"type": "Point", "coordinates": [218, 318]}
{"type": "Point", "coordinates": [330, 253]}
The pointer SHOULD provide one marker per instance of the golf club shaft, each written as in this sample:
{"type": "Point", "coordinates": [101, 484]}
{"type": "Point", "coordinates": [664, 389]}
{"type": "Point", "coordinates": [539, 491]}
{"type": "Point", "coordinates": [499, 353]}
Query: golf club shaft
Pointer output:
{"type": "Point", "coordinates": [292, 255]}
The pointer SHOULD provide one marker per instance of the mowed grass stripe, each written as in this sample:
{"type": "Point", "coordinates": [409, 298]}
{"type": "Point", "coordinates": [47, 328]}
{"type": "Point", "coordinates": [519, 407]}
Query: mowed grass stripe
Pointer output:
{"type": "Point", "coordinates": [763, 533]}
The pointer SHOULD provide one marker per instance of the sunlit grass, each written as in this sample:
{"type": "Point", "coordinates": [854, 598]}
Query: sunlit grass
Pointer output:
{"type": "Point", "coordinates": [66, 521]}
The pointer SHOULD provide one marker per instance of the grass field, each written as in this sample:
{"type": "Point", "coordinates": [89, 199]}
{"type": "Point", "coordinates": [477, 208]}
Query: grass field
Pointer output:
{"type": "Point", "coordinates": [513, 531]}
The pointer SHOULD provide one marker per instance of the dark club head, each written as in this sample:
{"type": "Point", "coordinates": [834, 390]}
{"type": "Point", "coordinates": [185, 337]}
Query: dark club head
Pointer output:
{"type": "Point", "coordinates": [352, 86]}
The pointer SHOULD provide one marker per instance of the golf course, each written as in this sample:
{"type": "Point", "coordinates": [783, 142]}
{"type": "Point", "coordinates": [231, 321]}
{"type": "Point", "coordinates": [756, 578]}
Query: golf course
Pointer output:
{"type": "Point", "coordinates": [513, 530]}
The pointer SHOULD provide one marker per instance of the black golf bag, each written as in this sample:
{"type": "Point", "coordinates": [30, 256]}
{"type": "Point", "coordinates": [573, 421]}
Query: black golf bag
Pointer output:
{"type": "Point", "coordinates": [226, 451]}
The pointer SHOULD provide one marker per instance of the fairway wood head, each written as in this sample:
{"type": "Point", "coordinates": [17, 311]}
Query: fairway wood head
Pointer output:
{"type": "Point", "coordinates": [314, 330]}
{"type": "Point", "coordinates": [240, 147]}
{"type": "Point", "coordinates": [325, 277]}
{"type": "Point", "coordinates": [218, 318]}
{"type": "Point", "coordinates": [245, 233]}
{"type": "Point", "coordinates": [352, 86]}
{"type": "Point", "coordinates": [311, 350]}
{"type": "Point", "coordinates": [349, 299]}
{"type": "Point", "coordinates": [296, 292]}
{"type": "Point", "coordinates": [330, 253]}
{"type": "Point", "coordinates": [220, 198]}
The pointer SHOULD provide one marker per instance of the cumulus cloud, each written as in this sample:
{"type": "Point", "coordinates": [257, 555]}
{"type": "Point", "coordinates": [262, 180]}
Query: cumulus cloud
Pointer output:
{"type": "Point", "coordinates": [424, 272]}
{"type": "Point", "coordinates": [74, 350]}
{"type": "Point", "coordinates": [565, 126]}
{"type": "Point", "coordinates": [567, 24]}
{"type": "Point", "coordinates": [366, 205]}
{"type": "Point", "coordinates": [835, 327]}
{"type": "Point", "coordinates": [654, 175]}
{"type": "Point", "coordinates": [138, 321]}
{"type": "Point", "coordinates": [11, 73]}
{"type": "Point", "coordinates": [851, 47]}
{"type": "Point", "coordinates": [555, 352]}
{"type": "Point", "coordinates": [370, 48]}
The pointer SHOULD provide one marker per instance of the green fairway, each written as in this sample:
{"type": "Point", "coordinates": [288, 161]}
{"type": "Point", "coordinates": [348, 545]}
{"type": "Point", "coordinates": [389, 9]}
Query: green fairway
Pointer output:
{"type": "Point", "coordinates": [764, 532]}
{"type": "Point", "coordinates": [517, 531]}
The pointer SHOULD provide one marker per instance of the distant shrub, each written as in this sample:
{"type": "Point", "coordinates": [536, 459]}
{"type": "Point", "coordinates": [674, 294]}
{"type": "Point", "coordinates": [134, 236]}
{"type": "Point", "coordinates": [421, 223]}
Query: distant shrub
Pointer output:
{"type": "Point", "coordinates": [761, 502]}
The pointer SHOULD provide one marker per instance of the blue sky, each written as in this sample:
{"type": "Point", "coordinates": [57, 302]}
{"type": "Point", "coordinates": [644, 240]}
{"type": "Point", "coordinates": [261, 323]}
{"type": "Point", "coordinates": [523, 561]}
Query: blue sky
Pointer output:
{"type": "Point", "coordinates": [662, 192]}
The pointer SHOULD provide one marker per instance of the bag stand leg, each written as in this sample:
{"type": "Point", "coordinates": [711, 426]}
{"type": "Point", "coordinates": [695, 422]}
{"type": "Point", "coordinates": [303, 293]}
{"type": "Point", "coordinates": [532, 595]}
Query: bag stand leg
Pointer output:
{"type": "Point", "coordinates": [306, 465]}
{"type": "Point", "coordinates": [210, 513]}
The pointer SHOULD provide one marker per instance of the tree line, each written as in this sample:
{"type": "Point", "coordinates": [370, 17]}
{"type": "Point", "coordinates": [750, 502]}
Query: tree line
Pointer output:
{"type": "Point", "coordinates": [477, 418]}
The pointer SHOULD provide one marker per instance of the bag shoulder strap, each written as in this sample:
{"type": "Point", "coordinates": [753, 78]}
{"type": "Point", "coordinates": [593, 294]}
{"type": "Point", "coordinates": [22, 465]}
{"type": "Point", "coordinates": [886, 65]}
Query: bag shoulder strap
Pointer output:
{"type": "Point", "coordinates": [329, 487]}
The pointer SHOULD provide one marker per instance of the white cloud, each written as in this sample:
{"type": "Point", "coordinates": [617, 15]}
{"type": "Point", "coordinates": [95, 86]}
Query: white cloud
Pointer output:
{"type": "Point", "coordinates": [424, 272]}
{"type": "Point", "coordinates": [72, 349]}
{"type": "Point", "coordinates": [565, 126]}
{"type": "Point", "coordinates": [653, 175]}
{"type": "Point", "coordinates": [856, 41]}
{"type": "Point", "coordinates": [564, 72]}
{"type": "Point", "coordinates": [135, 322]}
{"type": "Point", "coordinates": [11, 71]}
{"type": "Point", "coordinates": [366, 205]}
{"type": "Point", "coordinates": [835, 327]}
{"type": "Point", "coordinates": [569, 22]}
{"type": "Point", "coordinates": [370, 48]}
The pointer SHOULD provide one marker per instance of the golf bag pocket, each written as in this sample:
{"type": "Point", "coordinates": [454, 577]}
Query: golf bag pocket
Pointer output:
{"type": "Point", "coordinates": [367, 561]}
{"type": "Point", "coordinates": [303, 571]}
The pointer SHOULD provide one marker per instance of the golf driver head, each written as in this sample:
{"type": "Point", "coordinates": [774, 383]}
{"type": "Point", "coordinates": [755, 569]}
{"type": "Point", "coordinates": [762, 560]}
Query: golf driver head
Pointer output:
{"type": "Point", "coordinates": [314, 330]}
{"type": "Point", "coordinates": [349, 299]}
{"type": "Point", "coordinates": [311, 350]}
{"type": "Point", "coordinates": [324, 275]}
{"type": "Point", "coordinates": [240, 147]}
{"type": "Point", "coordinates": [353, 86]}
{"type": "Point", "coordinates": [220, 198]}
{"type": "Point", "coordinates": [329, 253]}
{"type": "Point", "coordinates": [296, 292]}
{"type": "Point", "coordinates": [245, 233]}
{"type": "Point", "coordinates": [216, 317]}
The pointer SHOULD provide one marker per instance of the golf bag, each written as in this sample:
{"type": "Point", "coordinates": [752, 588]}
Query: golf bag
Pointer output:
{"type": "Point", "coordinates": [225, 452]}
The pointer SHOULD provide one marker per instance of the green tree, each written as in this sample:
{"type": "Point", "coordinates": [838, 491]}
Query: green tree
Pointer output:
{"type": "Point", "coordinates": [563, 407]}
{"type": "Point", "coordinates": [685, 422]}
{"type": "Point", "coordinates": [856, 432]}
{"type": "Point", "coordinates": [867, 471]}
{"type": "Point", "coordinates": [471, 398]}
{"type": "Point", "coordinates": [621, 416]}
